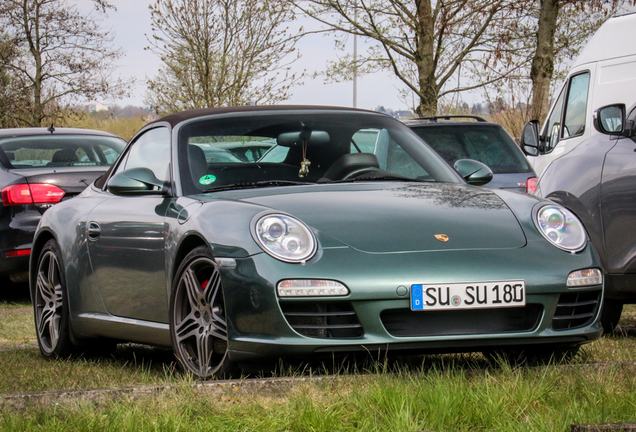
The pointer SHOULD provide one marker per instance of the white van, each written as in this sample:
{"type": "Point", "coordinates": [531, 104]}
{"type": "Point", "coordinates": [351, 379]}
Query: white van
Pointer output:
{"type": "Point", "coordinates": [604, 73]}
{"type": "Point", "coordinates": [585, 156]}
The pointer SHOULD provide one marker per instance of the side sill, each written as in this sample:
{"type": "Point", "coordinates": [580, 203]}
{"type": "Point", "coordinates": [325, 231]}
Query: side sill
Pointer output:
{"type": "Point", "coordinates": [95, 325]}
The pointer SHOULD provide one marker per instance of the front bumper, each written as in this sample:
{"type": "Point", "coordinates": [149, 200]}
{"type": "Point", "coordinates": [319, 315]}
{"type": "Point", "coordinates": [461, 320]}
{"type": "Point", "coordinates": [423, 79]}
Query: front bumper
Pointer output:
{"type": "Point", "coordinates": [260, 324]}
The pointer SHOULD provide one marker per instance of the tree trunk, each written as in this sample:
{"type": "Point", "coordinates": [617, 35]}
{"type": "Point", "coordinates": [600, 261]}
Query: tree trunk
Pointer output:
{"type": "Point", "coordinates": [543, 61]}
{"type": "Point", "coordinates": [425, 59]}
{"type": "Point", "coordinates": [31, 27]}
{"type": "Point", "coordinates": [428, 103]}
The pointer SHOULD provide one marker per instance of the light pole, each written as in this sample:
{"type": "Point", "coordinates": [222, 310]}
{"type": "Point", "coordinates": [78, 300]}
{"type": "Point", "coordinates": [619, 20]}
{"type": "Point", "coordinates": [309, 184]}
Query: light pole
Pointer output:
{"type": "Point", "coordinates": [355, 62]}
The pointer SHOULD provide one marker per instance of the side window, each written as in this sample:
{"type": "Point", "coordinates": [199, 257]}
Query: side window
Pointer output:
{"type": "Point", "coordinates": [552, 130]}
{"type": "Point", "coordinates": [576, 106]}
{"type": "Point", "coordinates": [151, 150]}
{"type": "Point", "coordinates": [109, 154]}
{"type": "Point", "coordinates": [365, 140]}
{"type": "Point", "coordinates": [80, 155]}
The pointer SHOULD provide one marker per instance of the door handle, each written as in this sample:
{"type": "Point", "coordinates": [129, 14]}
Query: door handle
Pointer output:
{"type": "Point", "coordinates": [94, 231]}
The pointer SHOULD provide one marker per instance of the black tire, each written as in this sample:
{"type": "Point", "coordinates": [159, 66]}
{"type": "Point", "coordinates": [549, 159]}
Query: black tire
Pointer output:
{"type": "Point", "coordinates": [198, 325]}
{"type": "Point", "coordinates": [611, 314]}
{"type": "Point", "coordinates": [50, 304]}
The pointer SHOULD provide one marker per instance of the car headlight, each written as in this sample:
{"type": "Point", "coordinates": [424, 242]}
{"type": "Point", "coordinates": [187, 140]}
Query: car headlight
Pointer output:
{"type": "Point", "coordinates": [561, 228]}
{"type": "Point", "coordinates": [284, 237]}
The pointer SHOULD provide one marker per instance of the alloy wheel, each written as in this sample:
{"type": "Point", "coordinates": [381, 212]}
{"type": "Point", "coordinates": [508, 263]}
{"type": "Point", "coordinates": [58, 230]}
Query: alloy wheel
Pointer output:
{"type": "Point", "coordinates": [48, 302]}
{"type": "Point", "coordinates": [199, 323]}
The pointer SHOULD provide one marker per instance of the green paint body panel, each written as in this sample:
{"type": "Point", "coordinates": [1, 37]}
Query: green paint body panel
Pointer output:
{"type": "Point", "coordinates": [376, 237]}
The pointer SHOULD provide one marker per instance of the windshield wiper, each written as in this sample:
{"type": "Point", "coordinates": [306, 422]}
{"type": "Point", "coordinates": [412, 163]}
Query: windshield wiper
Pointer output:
{"type": "Point", "coordinates": [255, 185]}
{"type": "Point", "coordinates": [381, 177]}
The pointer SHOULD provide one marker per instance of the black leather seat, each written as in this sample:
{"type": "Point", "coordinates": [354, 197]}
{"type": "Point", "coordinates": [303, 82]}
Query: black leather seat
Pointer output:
{"type": "Point", "coordinates": [65, 156]}
{"type": "Point", "coordinates": [198, 164]}
{"type": "Point", "coordinates": [350, 164]}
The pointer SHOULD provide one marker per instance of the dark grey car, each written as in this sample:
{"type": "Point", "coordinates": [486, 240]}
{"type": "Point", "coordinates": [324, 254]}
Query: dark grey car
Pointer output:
{"type": "Point", "coordinates": [40, 167]}
{"type": "Point", "coordinates": [597, 182]}
{"type": "Point", "coordinates": [471, 137]}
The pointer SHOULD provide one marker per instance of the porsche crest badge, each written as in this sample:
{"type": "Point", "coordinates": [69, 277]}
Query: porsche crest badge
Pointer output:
{"type": "Point", "coordinates": [442, 237]}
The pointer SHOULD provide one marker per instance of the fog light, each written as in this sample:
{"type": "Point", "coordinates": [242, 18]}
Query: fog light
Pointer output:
{"type": "Point", "coordinates": [585, 278]}
{"type": "Point", "coordinates": [311, 288]}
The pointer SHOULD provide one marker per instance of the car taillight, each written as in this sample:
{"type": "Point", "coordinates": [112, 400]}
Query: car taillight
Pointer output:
{"type": "Point", "coordinates": [37, 193]}
{"type": "Point", "coordinates": [18, 253]}
{"type": "Point", "coordinates": [531, 185]}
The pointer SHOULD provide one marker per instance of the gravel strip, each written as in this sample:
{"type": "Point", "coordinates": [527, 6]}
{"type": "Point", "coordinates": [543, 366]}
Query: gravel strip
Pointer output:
{"type": "Point", "coordinates": [13, 346]}
{"type": "Point", "coordinates": [16, 311]}
{"type": "Point", "coordinates": [215, 389]}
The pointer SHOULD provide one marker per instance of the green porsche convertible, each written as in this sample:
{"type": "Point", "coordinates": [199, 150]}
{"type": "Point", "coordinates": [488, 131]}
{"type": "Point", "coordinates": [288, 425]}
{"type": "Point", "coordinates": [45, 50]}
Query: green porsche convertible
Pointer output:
{"type": "Point", "coordinates": [238, 234]}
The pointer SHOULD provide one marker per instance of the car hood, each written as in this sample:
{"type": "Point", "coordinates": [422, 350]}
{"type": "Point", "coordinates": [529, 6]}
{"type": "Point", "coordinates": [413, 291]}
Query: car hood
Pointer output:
{"type": "Point", "coordinates": [399, 217]}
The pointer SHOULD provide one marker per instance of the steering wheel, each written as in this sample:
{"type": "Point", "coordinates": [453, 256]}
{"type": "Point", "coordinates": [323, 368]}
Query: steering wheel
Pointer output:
{"type": "Point", "coordinates": [360, 172]}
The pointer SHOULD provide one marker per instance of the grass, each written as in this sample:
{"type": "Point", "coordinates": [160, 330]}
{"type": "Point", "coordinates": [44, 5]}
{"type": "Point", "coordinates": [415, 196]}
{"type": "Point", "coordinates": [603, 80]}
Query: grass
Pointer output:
{"type": "Point", "coordinates": [438, 393]}
{"type": "Point", "coordinates": [16, 327]}
{"type": "Point", "coordinates": [25, 370]}
{"type": "Point", "coordinates": [456, 397]}
{"type": "Point", "coordinates": [16, 316]}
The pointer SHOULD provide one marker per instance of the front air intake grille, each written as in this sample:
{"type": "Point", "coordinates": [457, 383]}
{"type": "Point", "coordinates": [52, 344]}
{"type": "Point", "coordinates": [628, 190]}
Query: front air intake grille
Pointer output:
{"type": "Point", "coordinates": [405, 322]}
{"type": "Point", "coordinates": [322, 320]}
{"type": "Point", "coordinates": [576, 309]}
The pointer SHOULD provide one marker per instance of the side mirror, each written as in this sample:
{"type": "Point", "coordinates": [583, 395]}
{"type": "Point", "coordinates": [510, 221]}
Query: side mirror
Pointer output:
{"type": "Point", "coordinates": [610, 119]}
{"type": "Point", "coordinates": [136, 181]}
{"type": "Point", "coordinates": [530, 138]}
{"type": "Point", "coordinates": [474, 172]}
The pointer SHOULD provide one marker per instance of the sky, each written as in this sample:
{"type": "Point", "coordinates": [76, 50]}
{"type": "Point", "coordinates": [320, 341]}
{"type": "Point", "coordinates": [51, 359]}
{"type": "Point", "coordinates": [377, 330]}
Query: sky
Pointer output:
{"type": "Point", "coordinates": [131, 23]}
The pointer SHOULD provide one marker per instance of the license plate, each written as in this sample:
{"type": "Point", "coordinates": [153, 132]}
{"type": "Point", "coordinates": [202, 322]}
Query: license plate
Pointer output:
{"type": "Point", "coordinates": [477, 295]}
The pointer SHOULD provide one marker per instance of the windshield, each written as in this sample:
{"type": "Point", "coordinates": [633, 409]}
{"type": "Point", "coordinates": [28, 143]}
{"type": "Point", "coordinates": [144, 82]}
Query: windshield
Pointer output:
{"type": "Point", "coordinates": [304, 147]}
{"type": "Point", "coordinates": [490, 145]}
{"type": "Point", "coordinates": [60, 151]}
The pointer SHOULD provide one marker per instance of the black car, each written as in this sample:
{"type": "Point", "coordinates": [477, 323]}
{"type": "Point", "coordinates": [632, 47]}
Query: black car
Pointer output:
{"type": "Point", "coordinates": [595, 181]}
{"type": "Point", "coordinates": [472, 137]}
{"type": "Point", "coordinates": [40, 167]}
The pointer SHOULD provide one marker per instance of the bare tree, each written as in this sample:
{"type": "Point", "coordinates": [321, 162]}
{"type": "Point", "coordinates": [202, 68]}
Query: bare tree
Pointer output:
{"type": "Point", "coordinates": [221, 53]}
{"type": "Point", "coordinates": [424, 43]}
{"type": "Point", "coordinates": [543, 42]}
{"type": "Point", "coordinates": [562, 28]}
{"type": "Point", "coordinates": [13, 97]}
{"type": "Point", "coordinates": [63, 55]}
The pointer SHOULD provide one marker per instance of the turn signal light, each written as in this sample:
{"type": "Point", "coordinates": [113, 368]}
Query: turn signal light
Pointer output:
{"type": "Point", "coordinates": [531, 185]}
{"type": "Point", "coordinates": [311, 288]}
{"type": "Point", "coordinates": [585, 277]}
{"type": "Point", "coordinates": [37, 193]}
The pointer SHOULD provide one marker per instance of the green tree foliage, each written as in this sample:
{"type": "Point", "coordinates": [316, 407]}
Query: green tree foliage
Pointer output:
{"type": "Point", "coordinates": [221, 53]}
{"type": "Point", "coordinates": [60, 55]}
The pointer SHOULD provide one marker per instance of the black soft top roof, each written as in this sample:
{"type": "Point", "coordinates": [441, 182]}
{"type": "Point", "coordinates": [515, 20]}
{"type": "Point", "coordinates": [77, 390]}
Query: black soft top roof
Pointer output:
{"type": "Point", "coordinates": [176, 118]}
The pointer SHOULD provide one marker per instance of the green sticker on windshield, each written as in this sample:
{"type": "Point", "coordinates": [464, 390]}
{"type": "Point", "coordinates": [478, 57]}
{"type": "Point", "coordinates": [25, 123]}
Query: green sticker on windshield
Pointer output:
{"type": "Point", "coordinates": [207, 179]}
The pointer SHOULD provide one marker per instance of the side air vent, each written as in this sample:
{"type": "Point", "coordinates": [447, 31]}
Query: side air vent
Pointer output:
{"type": "Point", "coordinates": [576, 309]}
{"type": "Point", "coordinates": [322, 320]}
